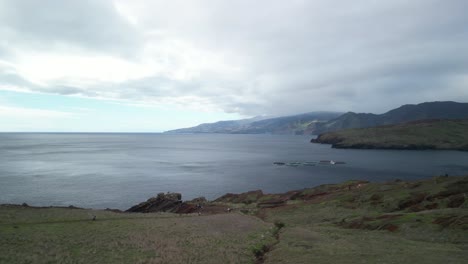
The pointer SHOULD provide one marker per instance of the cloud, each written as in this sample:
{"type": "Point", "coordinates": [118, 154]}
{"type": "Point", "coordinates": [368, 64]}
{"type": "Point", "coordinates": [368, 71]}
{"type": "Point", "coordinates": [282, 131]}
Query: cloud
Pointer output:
{"type": "Point", "coordinates": [93, 25]}
{"type": "Point", "coordinates": [252, 58]}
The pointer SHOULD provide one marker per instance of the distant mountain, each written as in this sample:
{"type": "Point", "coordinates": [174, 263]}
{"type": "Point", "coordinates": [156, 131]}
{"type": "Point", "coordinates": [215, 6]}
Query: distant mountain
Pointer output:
{"type": "Point", "coordinates": [320, 122]}
{"type": "Point", "coordinates": [403, 114]}
{"type": "Point", "coordinates": [296, 124]}
{"type": "Point", "coordinates": [227, 127]}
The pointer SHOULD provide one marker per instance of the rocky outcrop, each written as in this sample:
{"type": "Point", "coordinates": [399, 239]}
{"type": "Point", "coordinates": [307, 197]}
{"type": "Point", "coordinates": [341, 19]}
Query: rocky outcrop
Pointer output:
{"type": "Point", "coordinates": [169, 202]}
{"type": "Point", "coordinates": [327, 138]}
{"type": "Point", "coordinates": [172, 203]}
{"type": "Point", "coordinates": [199, 200]}
{"type": "Point", "coordinates": [247, 197]}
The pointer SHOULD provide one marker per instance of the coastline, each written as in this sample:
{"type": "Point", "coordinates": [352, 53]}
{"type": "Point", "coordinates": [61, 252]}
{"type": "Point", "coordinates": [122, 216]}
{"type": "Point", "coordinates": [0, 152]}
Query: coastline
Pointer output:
{"type": "Point", "coordinates": [253, 197]}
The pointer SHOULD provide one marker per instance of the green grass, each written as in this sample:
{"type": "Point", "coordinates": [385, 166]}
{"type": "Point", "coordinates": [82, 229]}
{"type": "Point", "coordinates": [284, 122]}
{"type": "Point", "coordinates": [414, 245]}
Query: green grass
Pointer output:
{"type": "Point", "coordinates": [330, 230]}
{"type": "Point", "coordinates": [324, 244]}
{"type": "Point", "coordinates": [30, 235]}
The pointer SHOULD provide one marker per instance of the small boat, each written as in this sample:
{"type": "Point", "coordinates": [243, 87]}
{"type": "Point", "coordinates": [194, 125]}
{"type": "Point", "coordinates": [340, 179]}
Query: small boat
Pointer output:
{"type": "Point", "coordinates": [331, 162]}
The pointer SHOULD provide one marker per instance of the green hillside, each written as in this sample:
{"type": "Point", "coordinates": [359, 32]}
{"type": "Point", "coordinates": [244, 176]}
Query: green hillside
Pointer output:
{"type": "Point", "coordinates": [400, 115]}
{"type": "Point", "coordinates": [433, 134]}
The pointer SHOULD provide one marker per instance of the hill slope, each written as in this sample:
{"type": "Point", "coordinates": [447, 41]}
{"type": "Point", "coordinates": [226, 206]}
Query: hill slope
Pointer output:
{"type": "Point", "coordinates": [405, 113]}
{"type": "Point", "coordinates": [431, 134]}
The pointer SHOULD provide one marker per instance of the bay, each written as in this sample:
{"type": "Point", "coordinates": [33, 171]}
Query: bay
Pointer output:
{"type": "Point", "coordinates": [99, 170]}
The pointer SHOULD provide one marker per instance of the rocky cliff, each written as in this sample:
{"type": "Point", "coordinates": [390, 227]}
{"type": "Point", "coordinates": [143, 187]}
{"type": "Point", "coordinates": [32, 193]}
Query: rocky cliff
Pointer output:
{"type": "Point", "coordinates": [170, 202]}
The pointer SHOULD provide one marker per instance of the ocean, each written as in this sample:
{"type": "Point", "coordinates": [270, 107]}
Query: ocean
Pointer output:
{"type": "Point", "coordinates": [100, 170]}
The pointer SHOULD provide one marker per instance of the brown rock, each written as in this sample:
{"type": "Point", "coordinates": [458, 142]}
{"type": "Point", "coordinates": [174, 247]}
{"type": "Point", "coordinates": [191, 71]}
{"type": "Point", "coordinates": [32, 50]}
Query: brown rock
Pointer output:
{"type": "Point", "coordinates": [456, 201]}
{"type": "Point", "coordinates": [169, 202]}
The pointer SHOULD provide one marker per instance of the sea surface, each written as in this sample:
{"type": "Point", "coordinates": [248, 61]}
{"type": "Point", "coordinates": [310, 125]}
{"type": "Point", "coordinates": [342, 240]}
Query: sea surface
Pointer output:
{"type": "Point", "coordinates": [120, 170]}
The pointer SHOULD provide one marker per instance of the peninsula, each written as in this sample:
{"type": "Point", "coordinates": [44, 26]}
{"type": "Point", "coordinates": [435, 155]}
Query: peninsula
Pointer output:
{"type": "Point", "coordinates": [426, 134]}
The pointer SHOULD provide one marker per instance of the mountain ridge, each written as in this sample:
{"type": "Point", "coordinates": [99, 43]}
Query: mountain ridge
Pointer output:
{"type": "Point", "coordinates": [403, 114]}
{"type": "Point", "coordinates": [293, 124]}
{"type": "Point", "coordinates": [325, 121]}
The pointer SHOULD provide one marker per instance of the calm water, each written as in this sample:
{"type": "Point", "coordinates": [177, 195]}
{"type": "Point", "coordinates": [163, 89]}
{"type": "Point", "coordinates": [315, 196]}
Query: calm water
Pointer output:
{"type": "Point", "coordinates": [119, 170]}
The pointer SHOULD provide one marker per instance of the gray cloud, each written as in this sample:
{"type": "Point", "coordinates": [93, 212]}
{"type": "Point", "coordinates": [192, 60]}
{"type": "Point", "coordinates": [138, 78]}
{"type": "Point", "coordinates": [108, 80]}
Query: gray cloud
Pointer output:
{"type": "Point", "coordinates": [262, 57]}
{"type": "Point", "coordinates": [10, 79]}
{"type": "Point", "coordinates": [94, 25]}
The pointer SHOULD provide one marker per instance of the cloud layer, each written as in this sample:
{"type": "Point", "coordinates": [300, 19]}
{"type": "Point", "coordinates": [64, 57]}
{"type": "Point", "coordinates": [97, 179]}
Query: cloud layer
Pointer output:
{"type": "Point", "coordinates": [246, 57]}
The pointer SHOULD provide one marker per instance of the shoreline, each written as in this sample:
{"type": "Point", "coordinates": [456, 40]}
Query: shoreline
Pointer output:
{"type": "Point", "coordinates": [268, 199]}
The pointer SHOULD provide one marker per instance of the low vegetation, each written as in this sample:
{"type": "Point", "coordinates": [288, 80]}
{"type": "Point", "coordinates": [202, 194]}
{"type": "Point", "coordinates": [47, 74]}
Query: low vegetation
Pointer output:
{"type": "Point", "coordinates": [61, 235]}
{"type": "Point", "coordinates": [395, 222]}
{"type": "Point", "coordinates": [352, 222]}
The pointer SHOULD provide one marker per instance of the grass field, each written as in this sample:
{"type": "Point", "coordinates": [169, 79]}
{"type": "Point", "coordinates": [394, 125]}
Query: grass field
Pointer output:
{"type": "Point", "coordinates": [60, 235]}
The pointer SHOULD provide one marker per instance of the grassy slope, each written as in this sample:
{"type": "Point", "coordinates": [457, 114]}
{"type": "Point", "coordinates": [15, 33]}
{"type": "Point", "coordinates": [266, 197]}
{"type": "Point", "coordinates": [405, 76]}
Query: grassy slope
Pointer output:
{"type": "Point", "coordinates": [352, 222]}
{"type": "Point", "coordinates": [355, 222]}
{"type": "Point", "coordinates": [354, 227]}
{"type": "Point", "coordinates": [60, 235]}
{"type": "Point", "coordinates": [442, 134]}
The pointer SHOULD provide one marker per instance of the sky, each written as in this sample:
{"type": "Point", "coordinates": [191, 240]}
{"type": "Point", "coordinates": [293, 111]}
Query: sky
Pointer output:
{"type": "Point", "coordinates": [151, 66]}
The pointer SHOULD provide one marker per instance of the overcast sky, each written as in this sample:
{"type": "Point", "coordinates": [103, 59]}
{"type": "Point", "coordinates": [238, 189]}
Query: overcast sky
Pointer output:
{"type": "Point", "coordinates": [92, 65]}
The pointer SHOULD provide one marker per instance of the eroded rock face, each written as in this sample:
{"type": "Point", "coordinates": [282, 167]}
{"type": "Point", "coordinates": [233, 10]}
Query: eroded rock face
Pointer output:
{"type": "Point", "coordinates": [199, 200]}
{"type": "Point", "coordinates": [169, 202]}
